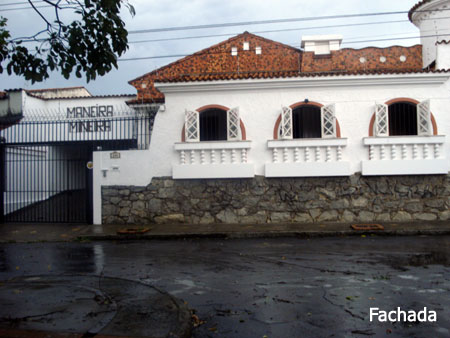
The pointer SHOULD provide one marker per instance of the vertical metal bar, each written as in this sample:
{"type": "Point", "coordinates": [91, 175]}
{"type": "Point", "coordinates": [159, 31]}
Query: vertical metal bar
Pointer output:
{"type": "Point", "coordinates": [2, 179]}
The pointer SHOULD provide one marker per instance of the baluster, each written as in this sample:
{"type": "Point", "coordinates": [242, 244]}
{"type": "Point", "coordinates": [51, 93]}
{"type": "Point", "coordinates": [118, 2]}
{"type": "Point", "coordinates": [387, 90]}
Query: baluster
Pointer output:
{"type": "Point", "coordinates": [317, 154]}
{"type": "Point", "coordinates": [213, 156]}
{"type": "Point", "coordinates": [275, 155]}
{"type": "Point", "coordinates": [371, 152]}
{"type": "Point", "coordinates": [339, 154]}
{"type": "Point", "coordinates": [202, 157]}
{"type": "Point", "coordinates": [382, 152]}
{"type": "Point", "coordinates": [285, 155]}
{"type": "Point", "coordinates": [328, 154]}
{"type": "Point", "coordinates": [297, 155]}
{"type": "Point", "coordinates": [404, 152]}
{"type": "Point", "coordinates": [436, 150]}
{"type": "Point", "coordinates": [415, 152]}
{"type": "Point", "coordinates": [182, 157]}
{"type": "Point", "coordinates": [222, 156]}
{"type": "Point", "coordinates": [426, 152]}
{"type": "Point", "coordinates": [192, 157]}
{"type": "Point", "coordinates": [394, 152]}
{"type": "Point", "coordinates": [307, 155]}
{"type": "Point", "coordinates": [244, 155]}
{"type": "Point", "coordinates": [233, 155]}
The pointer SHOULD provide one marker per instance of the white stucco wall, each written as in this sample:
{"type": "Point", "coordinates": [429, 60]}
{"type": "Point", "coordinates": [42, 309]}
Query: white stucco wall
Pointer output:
{"type": "Point", "coordinates": [433, 20]}
{"type": "Point", "coordinates": [260, 103]}
{"type": "Point", "coordinates": [443, 56]}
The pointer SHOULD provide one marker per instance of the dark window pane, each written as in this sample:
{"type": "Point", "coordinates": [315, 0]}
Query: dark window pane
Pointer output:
{"type": "Point", "coordinates": [402, 119]}
{"type": "Point", "coordinates": [213, 125]}
{"type": "Point", "coordinates": [306, 122]}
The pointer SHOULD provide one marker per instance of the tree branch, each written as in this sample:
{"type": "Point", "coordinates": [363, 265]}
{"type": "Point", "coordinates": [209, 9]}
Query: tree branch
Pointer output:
{"type": "Point", "coordinates": [49, 26]}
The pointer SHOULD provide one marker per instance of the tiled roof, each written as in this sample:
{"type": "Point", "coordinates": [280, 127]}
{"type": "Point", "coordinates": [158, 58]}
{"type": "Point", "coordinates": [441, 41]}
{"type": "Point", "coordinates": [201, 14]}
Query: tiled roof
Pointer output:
{"type": "Point", "coordinates": [415, 7]}
{"type": "Point", "coordinates": [260, 75]}
{"type": "Point", "coordinates": [443, 42]}
{"type": "Point", "coordinates": [275, 61]}
{"type": "Point", "coordinates": [218, 59]}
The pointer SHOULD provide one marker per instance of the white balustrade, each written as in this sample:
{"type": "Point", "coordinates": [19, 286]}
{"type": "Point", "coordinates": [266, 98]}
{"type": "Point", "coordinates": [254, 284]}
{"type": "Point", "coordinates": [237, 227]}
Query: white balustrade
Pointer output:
{"type": "Point", "coordinates": [415, 155]}
{"type": "Point", "coordinates": [202, 161]}
{"type": "Point", "coordinates": [307, 157]}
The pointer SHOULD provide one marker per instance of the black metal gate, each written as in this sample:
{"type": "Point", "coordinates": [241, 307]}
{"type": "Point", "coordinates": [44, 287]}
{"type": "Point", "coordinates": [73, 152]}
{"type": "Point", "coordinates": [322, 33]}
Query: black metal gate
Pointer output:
{"type": "Point", "coordinates": [47, 183]}
{"type": "Point", "coordinates": [46, 166]}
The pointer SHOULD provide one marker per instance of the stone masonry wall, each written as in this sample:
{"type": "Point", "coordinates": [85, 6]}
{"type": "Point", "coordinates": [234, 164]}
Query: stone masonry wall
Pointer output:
{"type": "Point", "coordinates": [280, 200]}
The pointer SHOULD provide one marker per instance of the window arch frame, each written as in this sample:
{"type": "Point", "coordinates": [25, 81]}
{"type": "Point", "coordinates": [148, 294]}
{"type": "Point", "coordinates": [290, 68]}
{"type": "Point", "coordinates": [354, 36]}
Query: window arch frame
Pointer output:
{"type": "Point", "coordinates": [276, 130]}
{"type": "Point", "coordinates": [401, 100]}
{"type": "Point", "coordinates": [216, 106]}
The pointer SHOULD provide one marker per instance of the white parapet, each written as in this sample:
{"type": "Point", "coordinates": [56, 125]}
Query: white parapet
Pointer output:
{"type": "Point", "coordinates": [307, 158]}
{"type": "Point", "coordinates": [214, 159]}
{"type": "Point", "coordinates": [405, 155]}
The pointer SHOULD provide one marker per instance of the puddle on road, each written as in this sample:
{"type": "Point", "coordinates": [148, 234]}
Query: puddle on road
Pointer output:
{"type": "Point", "coordinates": [419, 260]}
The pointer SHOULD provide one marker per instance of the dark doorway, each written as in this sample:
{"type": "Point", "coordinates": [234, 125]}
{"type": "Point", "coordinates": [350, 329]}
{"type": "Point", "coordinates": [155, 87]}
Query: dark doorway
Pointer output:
{"type": "Point", "coordinates": [306, 122]}
{"type": "Point", "coordinates": [213, 125]}
{"type": "Point", "coordinates": [402, 119]}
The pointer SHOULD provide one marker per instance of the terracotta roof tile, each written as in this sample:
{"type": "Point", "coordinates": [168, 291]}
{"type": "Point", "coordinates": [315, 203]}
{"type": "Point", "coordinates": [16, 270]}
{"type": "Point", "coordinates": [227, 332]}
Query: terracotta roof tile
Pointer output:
{"type": "Point", "coordinates": [275, 61]}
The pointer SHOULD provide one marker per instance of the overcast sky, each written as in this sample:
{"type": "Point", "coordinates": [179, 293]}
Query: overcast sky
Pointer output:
{"type": "Point", "coordinates": [153, 14]}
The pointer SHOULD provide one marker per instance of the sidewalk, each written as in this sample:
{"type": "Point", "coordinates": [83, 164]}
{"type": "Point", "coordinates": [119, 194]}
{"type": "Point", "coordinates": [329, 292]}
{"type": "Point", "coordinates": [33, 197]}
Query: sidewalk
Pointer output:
{"type": "Point", "coordinates": [35, 232]}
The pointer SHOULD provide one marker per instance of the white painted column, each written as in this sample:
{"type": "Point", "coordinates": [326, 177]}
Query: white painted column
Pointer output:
{"type": "Point", "coordinates": [97, 188]}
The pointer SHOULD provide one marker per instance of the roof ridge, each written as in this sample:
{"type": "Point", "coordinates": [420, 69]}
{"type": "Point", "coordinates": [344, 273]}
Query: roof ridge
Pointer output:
{"type": "Point", "coordinates": [48, 89]}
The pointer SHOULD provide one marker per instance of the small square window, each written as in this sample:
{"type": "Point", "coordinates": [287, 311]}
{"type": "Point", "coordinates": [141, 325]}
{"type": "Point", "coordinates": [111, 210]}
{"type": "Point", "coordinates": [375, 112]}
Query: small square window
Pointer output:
{"type": "Point", "coordinates": [246, 46]}
{"type": "Point", "coordinates": [234, 51]}
{"type": "Point", "coordinates": [258, 50]}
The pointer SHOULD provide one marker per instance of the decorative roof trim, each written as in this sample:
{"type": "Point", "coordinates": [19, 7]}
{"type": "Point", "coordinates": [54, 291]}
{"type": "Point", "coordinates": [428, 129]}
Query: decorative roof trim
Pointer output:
{"type": "Point", "coordinates": [78, 97]}
{"type": "Point", "coordinates": [424, 78]}
{"type": "Point", "coordinates": [287, 74]}
{"type": "Point", "coordinates": [53, 89]}
{"type": "Point", "coordinates": [417, 7]}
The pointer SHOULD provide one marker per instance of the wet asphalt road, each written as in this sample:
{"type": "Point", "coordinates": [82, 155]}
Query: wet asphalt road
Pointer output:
{"type": "Point", "coordinates": [319, 287]}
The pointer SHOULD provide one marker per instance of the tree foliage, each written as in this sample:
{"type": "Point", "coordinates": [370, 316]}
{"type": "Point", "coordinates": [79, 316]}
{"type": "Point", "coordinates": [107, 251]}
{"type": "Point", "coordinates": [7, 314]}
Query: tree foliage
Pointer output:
{"type": "Point", "coordinates": [88, 45]}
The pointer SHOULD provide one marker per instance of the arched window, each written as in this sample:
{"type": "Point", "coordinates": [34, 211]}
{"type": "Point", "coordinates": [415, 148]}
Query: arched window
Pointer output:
{"type": "Point", "coordinates": [213, 123]}
{"type": "Point", "coordinates": [307, 121]}
{"type": "Point", "coordinates": [402, 117]}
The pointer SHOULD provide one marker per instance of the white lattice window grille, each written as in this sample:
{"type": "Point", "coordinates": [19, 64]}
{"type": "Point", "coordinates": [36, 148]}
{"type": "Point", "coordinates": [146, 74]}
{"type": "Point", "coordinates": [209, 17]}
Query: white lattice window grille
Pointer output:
{"type": "Point", "coordinates": [233, 124]}
{"type": "Point", "coordinates": [192, 126]}
{"type": "Point", "coordinates": [424, 126]}
{"type": "Point", "coordinates": [381, 120]}
{"type": "Point", "coordinates": [328, 119]}
{"type": "Point", "coordinates": [286, 131]}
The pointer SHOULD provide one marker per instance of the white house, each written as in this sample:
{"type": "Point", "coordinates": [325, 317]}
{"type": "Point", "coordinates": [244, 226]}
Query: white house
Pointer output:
{"type": "Point", "coordinates": [252, 130]}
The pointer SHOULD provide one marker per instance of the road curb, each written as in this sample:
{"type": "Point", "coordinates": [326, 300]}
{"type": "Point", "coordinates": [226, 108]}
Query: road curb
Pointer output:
{"type": "Point", "coordinates": [274, 234]}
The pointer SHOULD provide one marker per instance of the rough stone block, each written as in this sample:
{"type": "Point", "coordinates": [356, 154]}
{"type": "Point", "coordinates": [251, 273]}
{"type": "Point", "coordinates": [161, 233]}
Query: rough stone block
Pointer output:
{"type": "Point", "coordinates": [227, 216]}
{"type": "Point", "coordinates": [302, 218]}
{"type": "Point", "coordinates": [425, 216]}
{"type": "Point", "coordinates": [366, 216]}
{"type": "Point", "coordinates": [327, 216]}
{"type": "Point", "coordinates": [170, 218]}
{"type": "Point", "coordinates": [402, 216]}
{"type": "Point", "coordinates": [280, 217]}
